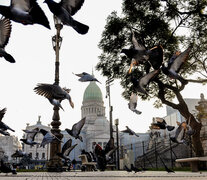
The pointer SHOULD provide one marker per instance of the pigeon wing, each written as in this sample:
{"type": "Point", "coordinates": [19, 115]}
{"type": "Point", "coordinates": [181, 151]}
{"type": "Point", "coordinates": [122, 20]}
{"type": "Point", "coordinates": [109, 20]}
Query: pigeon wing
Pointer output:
{"type": "Point", "coordinates": [137, 45]}
{"type": "Point", "coordinates": [5, 31]}
{"type": "Point", "coordinates": [78, 126]}
{"type": "Point", "coordinates": [67, 151]}
{"type": "Point", "coordinates": [2, 112]}
{"type": "Point", "coordinates": [31, 136]}
{"type": "Point", "coordinates": [72, 6]}
{"type": "Point", "coordinates": [177, 63]}
{"type": "Point", "coordinates": [109, 145]}
{"type": "Point", "coordinates": [66, 145]}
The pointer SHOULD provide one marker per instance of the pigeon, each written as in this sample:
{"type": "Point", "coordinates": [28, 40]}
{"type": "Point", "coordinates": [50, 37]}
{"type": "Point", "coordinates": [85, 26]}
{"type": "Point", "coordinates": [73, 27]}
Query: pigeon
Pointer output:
{"type": "Point", "coordinates": [131, 132]}
{"type": "Point", "coordinates": [54, 93]}
{"type": "Point", "coordinates": [25, 12]}
{"type": "Point", "coordinates": [174, 65]}
{"type": "Point", "coordinates": [30, 137]}
{"type": "Point", "coordinates": [145, 80]}
{"type": "Point", "coordinates": [133, 168]}
{"type": "Point", "coordinates": [182, 130]}
{"type": "Point", "coordinates": [133, 103]}
{"type": "Point", "coordinates": [139, 55]}
{"type": "Point", "coordinates": [66, 149]}
{"type": "Point", "coordinates": [64, 10]}
{"type": "Point", "coordinates": [3, 126]}
{"type": "Point", "coordinates": [19, 153]}
{"type": "Point", "coordinates": [7, 168]}
{"type": "Point", "coordinates": [161, 124]}
{"type": "Point", "coordinates": [48, 137]}
{"type": "Point", "coordinates": [76, 129]}
{"type": "Point", "coordinates": [5, 32]}
{"type": "Point", "coordinates": [85, 77]}
{"type": "Point", "coordinates": [127, 169]}
{"type": "Point", "coordinates": [5, 133]}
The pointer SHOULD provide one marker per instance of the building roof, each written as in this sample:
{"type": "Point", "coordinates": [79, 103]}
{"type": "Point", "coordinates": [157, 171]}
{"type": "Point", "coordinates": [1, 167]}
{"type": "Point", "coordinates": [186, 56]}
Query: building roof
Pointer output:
{"type": "Point", "coordinates": [92, 92]}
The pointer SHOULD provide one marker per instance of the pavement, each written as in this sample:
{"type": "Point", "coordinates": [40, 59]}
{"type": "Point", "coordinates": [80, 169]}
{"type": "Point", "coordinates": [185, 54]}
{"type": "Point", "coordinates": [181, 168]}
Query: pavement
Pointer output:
{"type": "Point", "coordinates": [106, 175]}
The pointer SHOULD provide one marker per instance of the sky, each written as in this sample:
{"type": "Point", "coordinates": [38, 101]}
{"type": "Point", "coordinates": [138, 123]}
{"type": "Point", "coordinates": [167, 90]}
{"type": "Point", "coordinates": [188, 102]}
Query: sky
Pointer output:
{"type": "Point", "coordinates": [31, 46]}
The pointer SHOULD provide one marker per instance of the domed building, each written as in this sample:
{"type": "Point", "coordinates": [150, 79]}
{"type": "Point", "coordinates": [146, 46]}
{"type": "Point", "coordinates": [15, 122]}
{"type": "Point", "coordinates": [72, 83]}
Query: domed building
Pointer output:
{"type": "Point", "coordinates": [96, 128]}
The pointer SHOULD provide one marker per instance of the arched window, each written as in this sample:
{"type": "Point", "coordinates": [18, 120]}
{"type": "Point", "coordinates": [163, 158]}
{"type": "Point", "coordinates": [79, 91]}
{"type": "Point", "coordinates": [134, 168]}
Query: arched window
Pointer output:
{"type": "Point", "coordinates": [43, 155]}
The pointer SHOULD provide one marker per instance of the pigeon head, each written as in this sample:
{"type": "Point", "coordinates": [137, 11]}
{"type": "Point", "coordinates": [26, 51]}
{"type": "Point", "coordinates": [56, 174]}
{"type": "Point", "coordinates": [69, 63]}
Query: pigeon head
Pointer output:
{"type": "Point", "coordinates": [23, 140]}
{"type": "Point", "coordinates": [81, 139]}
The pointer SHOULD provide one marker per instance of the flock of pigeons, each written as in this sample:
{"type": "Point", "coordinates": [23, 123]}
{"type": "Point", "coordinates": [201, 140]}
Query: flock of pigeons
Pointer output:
{"type": "Point", "coordinates": [28, 12]}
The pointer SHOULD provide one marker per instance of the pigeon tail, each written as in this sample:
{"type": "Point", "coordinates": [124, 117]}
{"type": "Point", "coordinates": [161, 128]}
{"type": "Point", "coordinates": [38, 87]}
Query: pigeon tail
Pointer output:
{"type": "Point", "coordinates": [79, 27]}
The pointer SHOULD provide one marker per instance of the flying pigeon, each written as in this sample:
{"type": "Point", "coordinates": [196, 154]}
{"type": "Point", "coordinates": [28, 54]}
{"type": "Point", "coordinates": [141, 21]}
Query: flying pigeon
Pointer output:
{"type": "Point", "coordinates": [6, 168]}
{"type": "Point", "coordinates": [103, 156]}
{"type": "Point", "coordinates": [25, 12]}
{"type": "Point", "coordinates": [175, 63]}
{"type": "Point", "coordinates": [131, 132]}
{"type": "Point", "coordinates": [19, 153]}
{"type": "Point", "coordinates": [76, 129]}
{"type": "Point", "coordinates": [54, 93]}
{"type": "Point", "coordinates": [30, 137]}
{"type": "Point", "coordinates": [182, 130]}
{"type": "Point", "coordinates": [85, 77]}
{"type": "Point", "coordinates": [161, 124]}
{"type": "Point", "coordinates": [145, 80]}
{"type": "Point", "coordinates": [139, 55]}
{"type": "Point", "coordinates": [133, 103]}
{"type": "Point", "coordinates": [64, 10]}
{"type": "Point", "coordinates": [66, 149]}
{"type": "Point", "coordinates": [48, 137]}
{"type": "Point", "coordinates": [5, 32]}
{"type": "Point", "coordinates": [3, 126]}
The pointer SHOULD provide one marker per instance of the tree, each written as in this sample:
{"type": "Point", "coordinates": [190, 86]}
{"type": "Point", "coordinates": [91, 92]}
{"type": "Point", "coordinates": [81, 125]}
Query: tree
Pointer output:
{"type": "Point", "coordinates": [158, 22]}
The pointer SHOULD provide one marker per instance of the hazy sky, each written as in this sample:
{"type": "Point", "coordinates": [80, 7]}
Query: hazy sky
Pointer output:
{"type": "Point", "coordinates": [31, 46]}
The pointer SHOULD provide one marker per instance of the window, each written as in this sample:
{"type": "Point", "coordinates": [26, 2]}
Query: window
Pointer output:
{"type": "Point", "coordinates": [104, 144]}
{"type": "Point", "coordinates": [30, 154]}
{"type": "Point", "coordinates": [100, 143]}
{"type": "Point", "coordinates": [43, 155]}
{"type": "Point", "coordinates": [37, 155]}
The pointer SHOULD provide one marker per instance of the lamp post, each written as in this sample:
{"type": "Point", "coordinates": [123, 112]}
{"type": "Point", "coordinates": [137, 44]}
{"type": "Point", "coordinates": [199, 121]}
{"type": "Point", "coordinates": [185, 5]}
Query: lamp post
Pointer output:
{"type": "Point", "coordinates": [108, 84]}
{"type": "Point", "coordinates": [55, 163]}
{"type": "Point", "coordinates": [116, 122]}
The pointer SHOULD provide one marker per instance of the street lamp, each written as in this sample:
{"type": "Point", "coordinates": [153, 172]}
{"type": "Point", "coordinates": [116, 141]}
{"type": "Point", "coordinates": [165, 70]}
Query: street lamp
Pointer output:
{"type": "Point", "coordinates": [55, 162]}
{"type": "Point", "coordinates": [116, 122]}
{"type": "Point", "coordinates": [108, 84]}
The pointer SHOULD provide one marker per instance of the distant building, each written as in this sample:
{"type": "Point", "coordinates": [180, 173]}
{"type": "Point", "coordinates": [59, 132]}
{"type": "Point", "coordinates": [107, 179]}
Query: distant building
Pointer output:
{"type": "Point", "coordinates": [39, 154]}
{"type": "Point", "coordinates": [173, 115]}
{"type": "Point", "coordinates": [8, 145]}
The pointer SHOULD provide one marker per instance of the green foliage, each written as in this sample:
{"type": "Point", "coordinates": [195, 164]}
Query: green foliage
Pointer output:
{"type": "Point", "coordinates": [154, 22]}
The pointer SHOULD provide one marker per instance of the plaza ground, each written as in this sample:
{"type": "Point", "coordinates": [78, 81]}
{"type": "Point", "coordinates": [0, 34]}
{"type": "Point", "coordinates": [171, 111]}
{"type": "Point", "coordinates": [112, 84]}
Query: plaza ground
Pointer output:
{"type": "Point", "coordinates": [106, 175]}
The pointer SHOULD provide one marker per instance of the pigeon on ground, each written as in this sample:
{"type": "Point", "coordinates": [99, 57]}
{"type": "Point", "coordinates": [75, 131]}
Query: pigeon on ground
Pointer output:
{"type": "Point", "coordinates": [5, 32]}
{"type": "Point", "coordinates": [85, 77]}
{"type": "Point", "coordinates": [127, 169]}
{"type": "Point", "coordinates": [135, 169]}
{"type": "Point", "coordinates": [129, 131]}
{"type": "Point", "coordinates": [48, 137]}
{"type": "Point", "coordinates": [54, 93]}
{"type": "Point", "coordinates": [175, 63]}
{"type": "Point", "coordinates": [25, 12]}
{"type": "Point", "coordinates": [161, 124]}
{"type": "Point", "coordinates": [30, 136]}
{"type": "Point", "coordinates": [76, 129]}
{"type": "Point", "coordinates": [3, 126]}
{"type": "Point", "coordinates": [64, 10]}
{"type": "Point", "coordinates": [7, 168]}
{"type": "Point", "coordinates": [133, 103]}
{"type": "Point", "coordinates": [180, 133]}
{"type": "Point", "coordinates": [66, 149]}
{"type": "Point", "coordinates": [145, 80]}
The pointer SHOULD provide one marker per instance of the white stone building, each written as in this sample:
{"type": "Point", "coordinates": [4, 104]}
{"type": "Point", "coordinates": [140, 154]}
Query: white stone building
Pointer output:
{"type": "Point", "coordinates": [8, 145]}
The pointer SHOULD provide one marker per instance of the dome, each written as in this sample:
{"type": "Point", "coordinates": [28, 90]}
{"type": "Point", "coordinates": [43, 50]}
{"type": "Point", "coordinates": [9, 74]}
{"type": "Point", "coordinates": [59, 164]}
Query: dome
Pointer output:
{"type": "Point", "coordinates": [92, 92]}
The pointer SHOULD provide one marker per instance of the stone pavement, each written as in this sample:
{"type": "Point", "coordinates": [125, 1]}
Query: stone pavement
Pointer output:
{"type": "Point", "coordinates": [106, 175]}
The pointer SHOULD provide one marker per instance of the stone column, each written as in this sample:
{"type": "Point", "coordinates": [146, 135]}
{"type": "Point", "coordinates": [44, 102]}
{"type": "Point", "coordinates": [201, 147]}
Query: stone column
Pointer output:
{"type": "Point", "coordinates": [202, 117]}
